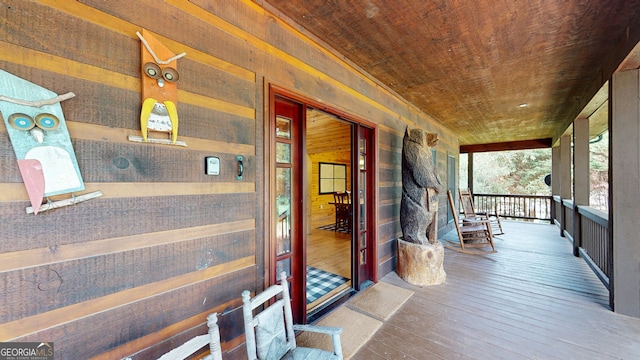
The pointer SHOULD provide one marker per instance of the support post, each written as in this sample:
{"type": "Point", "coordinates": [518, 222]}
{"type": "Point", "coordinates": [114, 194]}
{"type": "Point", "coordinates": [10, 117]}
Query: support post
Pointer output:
{"type": "Point", "coordinates": [565, 178]}
{"type": "Point", "coordinates": [624, 199]}
{"type": "Point", "coordinates": [581, 183]}
{"type": "Point", "coordinates": [470, 171]}
{"type": "Point", "coordinates": [555, 180]}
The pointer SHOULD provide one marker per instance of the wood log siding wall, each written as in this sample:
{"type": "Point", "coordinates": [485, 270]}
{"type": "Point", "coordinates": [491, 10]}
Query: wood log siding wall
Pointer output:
{"type": "Point", "coordinates": [166, 244]}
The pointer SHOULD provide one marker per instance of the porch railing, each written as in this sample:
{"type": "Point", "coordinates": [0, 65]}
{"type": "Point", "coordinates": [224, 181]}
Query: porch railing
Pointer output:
{"type": "Point", "coordinates": [594, 244]}
{"type": "Point", "coordinates": [567, 210]}
{"type": "Point", "coordinates": [526, 207]}
{"type": "Point", "coordinates": [589, 235]}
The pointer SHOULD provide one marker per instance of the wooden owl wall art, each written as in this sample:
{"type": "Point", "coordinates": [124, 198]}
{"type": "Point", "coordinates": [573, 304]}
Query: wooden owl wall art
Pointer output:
{"type": "Point", "coordinates": [38, 132]}
{"type": "Point", "coordinates": [159, 91]}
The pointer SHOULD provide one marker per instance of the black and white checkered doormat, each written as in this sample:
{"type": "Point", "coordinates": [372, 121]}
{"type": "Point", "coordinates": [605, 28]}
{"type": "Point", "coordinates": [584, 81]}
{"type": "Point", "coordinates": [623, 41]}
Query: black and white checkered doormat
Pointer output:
{"type": "Point", "coordinates": [332, 227]}
{"type": "Point", "coordinates": [320, 282]}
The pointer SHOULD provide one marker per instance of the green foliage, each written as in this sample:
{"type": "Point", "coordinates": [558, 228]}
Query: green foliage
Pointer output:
{"type": "Point", "coordinates": [510, 172]}
{"type": "Point", "coordinates": [599, 172]}
{"type": "Point", "coordinates": [522, 172]}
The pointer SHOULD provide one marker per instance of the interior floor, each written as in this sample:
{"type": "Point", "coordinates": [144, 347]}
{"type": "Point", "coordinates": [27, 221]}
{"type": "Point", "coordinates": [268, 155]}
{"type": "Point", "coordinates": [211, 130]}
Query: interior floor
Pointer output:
{"type": "Point", "coordinates": [328, 147]}
{"type": "Point", "coordinates": [329, 251]}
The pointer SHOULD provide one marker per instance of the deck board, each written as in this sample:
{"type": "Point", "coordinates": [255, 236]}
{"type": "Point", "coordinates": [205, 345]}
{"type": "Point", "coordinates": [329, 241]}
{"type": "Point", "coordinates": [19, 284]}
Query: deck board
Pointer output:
{"type": "Point", "coordinates": [531, 300]}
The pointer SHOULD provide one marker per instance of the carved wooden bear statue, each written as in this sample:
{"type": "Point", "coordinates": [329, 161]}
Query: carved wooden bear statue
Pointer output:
{"type": "Point", "coordinates": [420, 186]}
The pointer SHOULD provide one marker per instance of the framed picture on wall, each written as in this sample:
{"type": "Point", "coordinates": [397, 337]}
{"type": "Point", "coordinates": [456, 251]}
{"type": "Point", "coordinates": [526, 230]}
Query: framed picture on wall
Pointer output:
{"type": "Point", "coordinates": [333, 178]}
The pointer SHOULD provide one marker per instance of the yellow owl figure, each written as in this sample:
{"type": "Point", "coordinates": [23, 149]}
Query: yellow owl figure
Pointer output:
{"type": "Point", "coordinates": [159, 88]}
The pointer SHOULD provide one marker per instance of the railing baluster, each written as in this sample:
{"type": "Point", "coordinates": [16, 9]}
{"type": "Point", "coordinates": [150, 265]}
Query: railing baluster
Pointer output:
{"type": "Point", "coordinates": [528, 207]}
{"type": "Point", "coordinates": [595, 241]}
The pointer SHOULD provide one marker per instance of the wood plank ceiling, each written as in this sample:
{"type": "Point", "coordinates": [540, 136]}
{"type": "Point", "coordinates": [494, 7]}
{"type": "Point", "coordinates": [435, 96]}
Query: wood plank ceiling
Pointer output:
{"type": "Point", "coordinates": [326, 133]}
{"type": "Point", "coordinates": [473, 64]}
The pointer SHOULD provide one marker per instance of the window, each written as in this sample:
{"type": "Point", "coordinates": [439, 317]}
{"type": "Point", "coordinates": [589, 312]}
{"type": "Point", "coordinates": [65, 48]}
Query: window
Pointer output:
{"type": "Point", "coordinates": [333, 178]}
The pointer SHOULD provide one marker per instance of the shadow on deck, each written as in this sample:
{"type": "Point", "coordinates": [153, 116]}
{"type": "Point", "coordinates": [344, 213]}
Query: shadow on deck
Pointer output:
{"type": "Point", "coordinates": [531, 300]}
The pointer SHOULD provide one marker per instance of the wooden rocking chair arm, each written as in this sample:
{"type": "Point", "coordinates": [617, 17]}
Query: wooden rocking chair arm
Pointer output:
{"type": "Point", "coordinates": [472, 222]}
{"type": "Point", "coordinates": [488, 215]}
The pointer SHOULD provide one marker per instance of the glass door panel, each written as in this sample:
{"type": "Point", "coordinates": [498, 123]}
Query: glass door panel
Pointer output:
{"type": "Point", "coordinates": [288, 248]}
{"type": "Point", "coordinates": [283, 195]}
{"type": "Point", "coordinates": [363, 256]}
{"type": "Point", "coordinates": [283, 206]}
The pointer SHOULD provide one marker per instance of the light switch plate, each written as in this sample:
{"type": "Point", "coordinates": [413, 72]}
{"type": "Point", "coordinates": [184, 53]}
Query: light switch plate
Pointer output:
{"type": "Point", "coordinates": [212, 165]}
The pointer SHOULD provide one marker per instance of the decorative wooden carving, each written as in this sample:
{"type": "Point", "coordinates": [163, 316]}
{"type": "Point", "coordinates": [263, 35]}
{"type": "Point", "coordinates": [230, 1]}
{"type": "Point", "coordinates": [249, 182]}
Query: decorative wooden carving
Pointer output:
{"type": "Point", "coordinates": [159, 91]}
{"type": "Point", "coordinates": [420, 186]}
{"type": "Point", "coordinates": [38, 132]}
{"type": "Point", "coordinates": [420, 254]}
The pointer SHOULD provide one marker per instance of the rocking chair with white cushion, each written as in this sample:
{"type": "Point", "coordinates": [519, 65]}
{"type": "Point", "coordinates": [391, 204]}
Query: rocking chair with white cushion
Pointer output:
{"type": "Point", "coordinates": [270, 334]}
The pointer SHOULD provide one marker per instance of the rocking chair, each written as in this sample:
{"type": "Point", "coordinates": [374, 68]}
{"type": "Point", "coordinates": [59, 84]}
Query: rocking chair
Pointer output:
{"type": "Point", "coordinates": [466, 199]}
{"type": "Point", "coordinates": [270, 334]}
{"type": "Point", "coordinates": [195, 344]}
{"type": "Point", "coordinates": [471, 234]}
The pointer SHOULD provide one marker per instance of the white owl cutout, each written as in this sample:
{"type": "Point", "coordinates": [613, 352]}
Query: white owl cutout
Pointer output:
{"type": "Point", "coordinates": [40, 138]}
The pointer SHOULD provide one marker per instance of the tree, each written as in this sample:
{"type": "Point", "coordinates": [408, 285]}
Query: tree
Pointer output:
{"type": "Point", "coordinates": [522, 172]}
{"type": "Point", "coordinates": [510, 172]}
{"type": "Point", "coordinates": [599, 172]}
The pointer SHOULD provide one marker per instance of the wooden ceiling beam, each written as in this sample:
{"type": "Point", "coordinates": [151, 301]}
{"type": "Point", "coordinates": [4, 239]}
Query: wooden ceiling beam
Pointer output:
{"type": "Point", "coordinates": [510, 145]}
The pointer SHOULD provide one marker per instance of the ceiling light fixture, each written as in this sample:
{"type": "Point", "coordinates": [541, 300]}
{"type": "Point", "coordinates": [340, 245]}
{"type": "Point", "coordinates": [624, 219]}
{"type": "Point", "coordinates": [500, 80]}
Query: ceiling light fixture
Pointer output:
{"type": "Point", "coordinates": [523, 105]}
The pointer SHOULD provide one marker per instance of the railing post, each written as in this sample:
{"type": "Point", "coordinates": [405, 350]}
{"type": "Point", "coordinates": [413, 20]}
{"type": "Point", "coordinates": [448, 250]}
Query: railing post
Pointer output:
{"type": "Point", "coordinates": [563, 217]}
{"type": "Point", "coordinates": [552, 210]}
{"type": "Point", "coordinates": [577, 231]}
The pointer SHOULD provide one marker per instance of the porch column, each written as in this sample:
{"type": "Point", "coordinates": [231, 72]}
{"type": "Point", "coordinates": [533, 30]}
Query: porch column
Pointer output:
{"type": "Point", "coordinates": [581, 183]}
{"type": "Point", "coordinates": [565, 178]}
{"type": "Point", "coordinates": [555, 181]}
{"type": "Point", "coordinates": [470, 171]}
{"type": "Point", "coordinates": [624, 191]}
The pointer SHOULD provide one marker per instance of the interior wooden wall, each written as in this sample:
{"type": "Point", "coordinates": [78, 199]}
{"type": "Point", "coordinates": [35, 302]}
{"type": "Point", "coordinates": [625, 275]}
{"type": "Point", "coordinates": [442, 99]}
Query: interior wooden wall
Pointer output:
{"type": "Point", "coordinates": [327, 140]}
{"type": "Point", "coordinates": [322, 212]}
{"type": "Point", "coordinates": [137, 270]}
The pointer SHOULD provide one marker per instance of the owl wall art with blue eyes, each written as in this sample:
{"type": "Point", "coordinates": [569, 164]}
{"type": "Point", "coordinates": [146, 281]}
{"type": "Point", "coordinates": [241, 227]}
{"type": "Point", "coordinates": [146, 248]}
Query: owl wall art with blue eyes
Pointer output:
{"type": "Point", "coordinates": [36, 126]}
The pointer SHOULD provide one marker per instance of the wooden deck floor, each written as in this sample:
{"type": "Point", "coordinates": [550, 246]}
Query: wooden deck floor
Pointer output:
{"type": "Point", "coordinates": [531, 300]}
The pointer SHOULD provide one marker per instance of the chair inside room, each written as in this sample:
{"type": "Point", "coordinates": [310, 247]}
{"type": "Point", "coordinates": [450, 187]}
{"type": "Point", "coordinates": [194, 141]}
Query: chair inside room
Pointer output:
{"type": "Point", "coordinates": [342, 202]}
{"type": "Point", "coordinates": [469, 210]}
{"type": "Point", "coordinates": [194, 345]}
{"type": "Point", "coordinates": [471, 234]}
{"type": "Point", "coordinates": [270, 334]}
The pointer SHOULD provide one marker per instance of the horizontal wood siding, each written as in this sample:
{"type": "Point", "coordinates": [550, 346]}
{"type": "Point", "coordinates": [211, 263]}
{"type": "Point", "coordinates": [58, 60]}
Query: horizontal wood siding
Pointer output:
{"type": "Point", "coordinates": [135, 271]}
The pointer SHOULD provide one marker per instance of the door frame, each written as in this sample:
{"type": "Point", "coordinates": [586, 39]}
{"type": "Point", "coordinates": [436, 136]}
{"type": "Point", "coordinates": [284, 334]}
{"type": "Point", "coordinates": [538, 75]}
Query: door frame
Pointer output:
{"type": "Point", "coordinates": [270, 212]}
{"type": "Point", "coordinates": [370, 194]}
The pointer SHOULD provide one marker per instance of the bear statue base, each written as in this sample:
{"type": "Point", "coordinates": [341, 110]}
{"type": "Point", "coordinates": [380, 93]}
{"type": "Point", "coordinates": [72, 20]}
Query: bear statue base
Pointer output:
{"type": "Point", "coordinates": [421, 264]}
